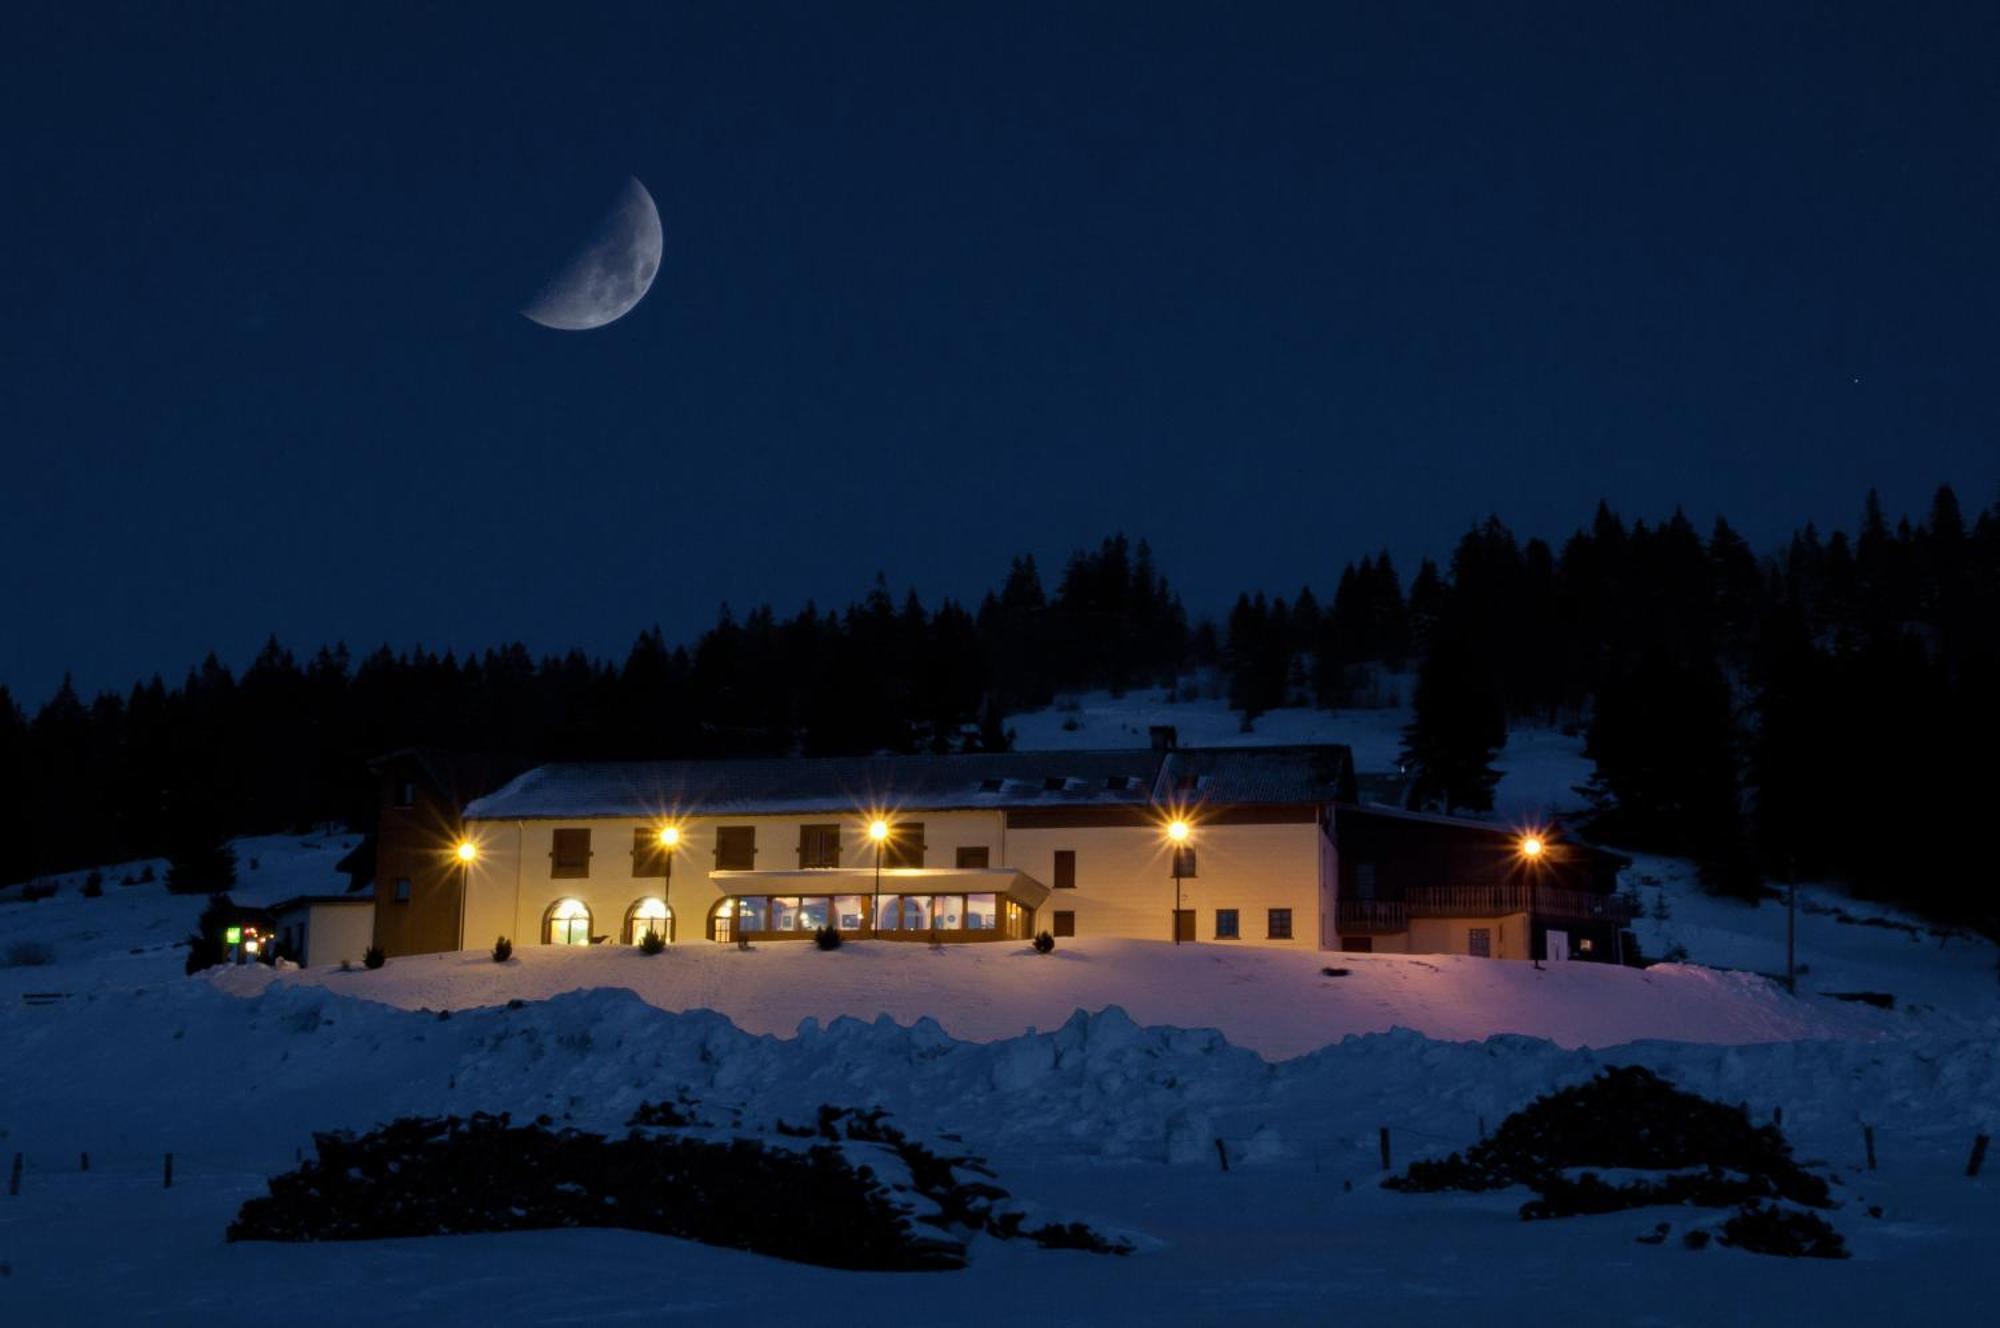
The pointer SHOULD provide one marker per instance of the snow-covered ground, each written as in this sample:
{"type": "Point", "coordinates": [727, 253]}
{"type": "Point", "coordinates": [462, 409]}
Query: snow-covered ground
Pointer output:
{"type": "Point", "coordinates": [1141, 1058]}
{"type": "Point", "coordinates": [1276, 1003]}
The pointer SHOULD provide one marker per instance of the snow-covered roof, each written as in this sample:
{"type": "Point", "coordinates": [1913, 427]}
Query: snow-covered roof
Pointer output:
{"type": "Point", "coordinates": [995, 780]}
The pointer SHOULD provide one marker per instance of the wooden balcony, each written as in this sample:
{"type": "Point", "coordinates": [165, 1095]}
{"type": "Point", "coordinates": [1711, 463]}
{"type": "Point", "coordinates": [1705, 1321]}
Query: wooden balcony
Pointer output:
{"type": "Point", "coordinates": [1378, 916]}
{"type": "Point", "coordinates": [1373, 917]}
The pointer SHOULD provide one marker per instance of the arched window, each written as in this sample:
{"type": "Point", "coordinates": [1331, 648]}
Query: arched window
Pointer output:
{"type": "Point", "coordinates": [566, 923]}
{"type": "Point", "coordinates": [648, 915]}
{"type": "Point", "coordinates": [721, 920]}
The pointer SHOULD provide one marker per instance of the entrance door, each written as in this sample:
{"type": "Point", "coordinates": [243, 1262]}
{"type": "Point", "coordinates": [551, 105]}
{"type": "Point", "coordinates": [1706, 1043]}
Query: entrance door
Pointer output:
{"type": "Point", "coordinates": [1479, 942]}
{"type": "Point", "coordinates": [1183, 924]}
{"type": "Point", "coordinates": [1558, 944]}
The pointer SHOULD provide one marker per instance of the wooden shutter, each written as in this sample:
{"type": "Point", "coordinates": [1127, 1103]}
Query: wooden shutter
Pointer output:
{"type": "Point", "coordinates": [1065, 869]}
{"type": "Point", "coordinates": [974, 855]}
{"type": "Point", "coordinates": [1065, 923]}
{"type": "Point", "coordinates": [906, 845]}
{"type": "Point", "coordinates": [649, 857]}
{"type": "Point", "coordinates": [736, 848]}
{"type": "Point", "coordinates": [819, 846]}
{"type": "Point", "coordinates": [569, 853]}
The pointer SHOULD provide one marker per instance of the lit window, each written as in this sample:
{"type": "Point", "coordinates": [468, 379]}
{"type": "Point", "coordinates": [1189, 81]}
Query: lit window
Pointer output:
{"type": "Point", "coordinates": [648, 915]}
{"type": "Point", "coordinates": [569, 923]}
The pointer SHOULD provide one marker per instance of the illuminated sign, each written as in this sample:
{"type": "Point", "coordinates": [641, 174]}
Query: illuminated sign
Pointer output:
{"type": "Point", "coordinates": [233, 936]}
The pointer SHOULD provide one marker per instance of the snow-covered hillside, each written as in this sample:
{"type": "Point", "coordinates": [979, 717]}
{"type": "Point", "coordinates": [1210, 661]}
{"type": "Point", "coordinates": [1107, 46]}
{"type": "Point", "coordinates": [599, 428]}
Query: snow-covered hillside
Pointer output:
{"type": "Point", "coordinates": [132, 932]}
{"type": "Point", "coordinates": [1540, 768]}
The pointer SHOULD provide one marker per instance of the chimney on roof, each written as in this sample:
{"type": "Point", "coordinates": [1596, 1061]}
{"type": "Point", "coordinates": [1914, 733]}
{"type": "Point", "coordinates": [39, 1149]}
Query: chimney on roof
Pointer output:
{"type": "Point", "coordinates": [1166, 737]}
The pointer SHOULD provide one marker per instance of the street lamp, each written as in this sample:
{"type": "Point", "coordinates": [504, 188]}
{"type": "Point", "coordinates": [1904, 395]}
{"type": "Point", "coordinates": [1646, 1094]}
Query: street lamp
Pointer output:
{"type": "Point", "coordinates": [1532, 847]}
{"type": "Point", "coordinates": [467, 853]}
{"type": "Point", "coordinates": [670, 837]}
{"type": "Point", "coordinates": [878, 831]}
{"type": "Point", "coordinates": [1177, 837]}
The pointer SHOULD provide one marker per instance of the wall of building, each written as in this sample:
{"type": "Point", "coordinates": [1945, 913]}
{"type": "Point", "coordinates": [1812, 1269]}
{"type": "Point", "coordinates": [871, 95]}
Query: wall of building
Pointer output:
{"type": "Point", "coordinates": [513, 885]}
{"type": "Point", "coordinates": [416, 830]}
{"type": "Point", "coordinates": [328, 933]}
{"type": "Point", "coordinates": [1124, 878]}
{"type": "Point", "coordinates": [1508, 936]}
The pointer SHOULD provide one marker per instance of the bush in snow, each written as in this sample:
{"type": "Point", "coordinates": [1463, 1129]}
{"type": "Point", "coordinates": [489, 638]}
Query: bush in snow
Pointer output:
{"type": "Point", "coordinates": [1769, 1229]}
{"type": "Point", "coordinates": [827, 938]}
{"type": "Point", "coordinates": [652, 942]}
{"type": "Point", "coordinates": [93, 885]}
{"type": "Point", "coordinates": [422, 1177]}
{"type": "Point", "coordinates": [29, 954]}
{"type": "Point", "coordinates": [1626, 1119]}
{"type": "Point", "coordinates": [1044, 942]}
{"type": "Point", "coordinates": [503, 950]}
{"type": "Point", "coordinates": [373, 957]}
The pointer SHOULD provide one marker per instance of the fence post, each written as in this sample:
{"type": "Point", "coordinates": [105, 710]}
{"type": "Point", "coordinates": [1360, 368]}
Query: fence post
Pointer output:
{"type": "Point", "coordinates": [1979, 1142]}
{"type": "Point", "coordinates": [1385, 1148]}
{"type": "Point", "coordinates": [14, 1177]}
{"type": "Point", "coordinates": [169, 1184]}
{"type": "Point", "coordinates": [1868, 1138]}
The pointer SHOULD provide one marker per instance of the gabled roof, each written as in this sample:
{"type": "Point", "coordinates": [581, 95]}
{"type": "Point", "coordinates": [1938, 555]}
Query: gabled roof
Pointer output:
{"type": "Point", "coordinates": [974, 781]}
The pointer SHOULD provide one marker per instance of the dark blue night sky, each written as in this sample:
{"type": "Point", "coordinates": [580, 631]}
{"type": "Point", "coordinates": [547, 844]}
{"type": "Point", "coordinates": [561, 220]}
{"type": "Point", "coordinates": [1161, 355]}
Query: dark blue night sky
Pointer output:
{"type": "Point", "coordinates": [1270, 286]}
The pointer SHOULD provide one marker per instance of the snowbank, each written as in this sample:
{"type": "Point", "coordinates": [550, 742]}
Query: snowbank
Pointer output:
{"type": "Point", "coordinates": [1278, 1003]}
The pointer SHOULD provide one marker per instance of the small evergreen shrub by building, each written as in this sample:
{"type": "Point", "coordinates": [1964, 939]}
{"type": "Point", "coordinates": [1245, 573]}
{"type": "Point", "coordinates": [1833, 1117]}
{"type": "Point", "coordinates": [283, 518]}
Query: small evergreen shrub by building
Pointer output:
{"type": "Point", "coordinates": [652, 943]}
{"type": "Point", "coordinates": [503, 950]}
{"type": "Point", "coordinates": [827, 938]}
{"type": "Point", "coordinates": [1044, 942]}
{"type": "Point", "coordinates": [93, 885]}
{"type": "Point", "coordinates": [373, 957]}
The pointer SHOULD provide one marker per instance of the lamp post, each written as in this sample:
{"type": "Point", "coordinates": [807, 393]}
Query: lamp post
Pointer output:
{"type": "Point", "coordinates": [1177, 837]}
{"type": "Point", "coordinates": [878, 831]}
{"type": "Point", "coordinates": [670, 836]}
{"type": "Point", "coordinates": [467, 853]}
{"type": "Point", "coordinates": [1532, 849]}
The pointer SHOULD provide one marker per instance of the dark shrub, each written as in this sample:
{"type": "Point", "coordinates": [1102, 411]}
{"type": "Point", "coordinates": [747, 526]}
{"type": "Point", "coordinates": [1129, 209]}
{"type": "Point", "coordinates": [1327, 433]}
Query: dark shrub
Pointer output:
{"type": "Point", "coordinates": [93, 885]}
{"type": "Point", "coordinates": [29, 954]}
{"type": "Point", "coordinates": [1044, 942]}
{"type": "Point", "coordinates": [201, 864]}
{"type": "Point", "coordinates": [205, 948]}
{"type": "Point", "coordinates": [1625, 1118]}
{"type": "Point", "coordinates": [503, 950]}
{"type": "Point", "coordinates": [373, 957]}
{"type": "Point", "coordinates": [652, 943]}
{"type": "Point", "coordinates": [827, 938]}
{"type": "Point", "coordinates": [417, 1177]}
{"type": "Point", "coordinates": [1769, 1229]}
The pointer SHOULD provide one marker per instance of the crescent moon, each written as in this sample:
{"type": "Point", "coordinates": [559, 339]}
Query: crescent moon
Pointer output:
{"type": "Point", "coordinates": [610, 274]}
